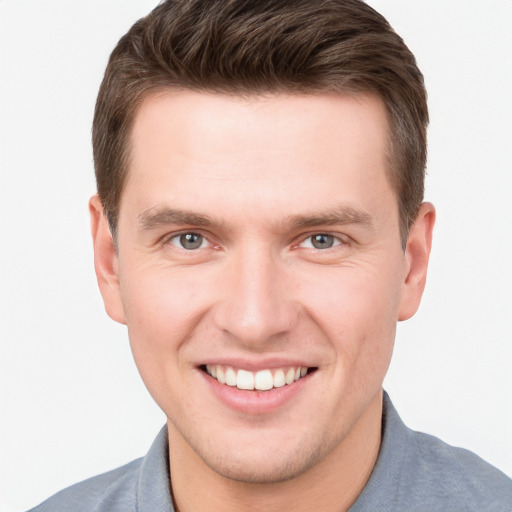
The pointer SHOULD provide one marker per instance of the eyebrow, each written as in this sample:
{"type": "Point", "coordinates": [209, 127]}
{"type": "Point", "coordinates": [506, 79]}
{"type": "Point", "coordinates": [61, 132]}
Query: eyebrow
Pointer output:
{"type": "Point", "coordinates": [341, 215]}
{"type": "Point", "coordinates": [155, 217]}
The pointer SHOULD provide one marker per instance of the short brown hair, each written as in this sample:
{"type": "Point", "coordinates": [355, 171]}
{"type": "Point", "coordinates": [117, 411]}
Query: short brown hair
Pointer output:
{"type": "Point", "coordinates": [243, 47]}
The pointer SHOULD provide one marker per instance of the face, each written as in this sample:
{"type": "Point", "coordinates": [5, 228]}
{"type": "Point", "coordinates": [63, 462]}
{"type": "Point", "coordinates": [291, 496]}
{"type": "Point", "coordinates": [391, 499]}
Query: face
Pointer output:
{"type": "Point", "coordinates": [259, 247]}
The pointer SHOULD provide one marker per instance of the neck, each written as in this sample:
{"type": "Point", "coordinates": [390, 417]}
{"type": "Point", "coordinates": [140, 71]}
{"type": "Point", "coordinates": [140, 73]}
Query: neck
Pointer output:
{"type": "Point", "coordinates": [332, 485]}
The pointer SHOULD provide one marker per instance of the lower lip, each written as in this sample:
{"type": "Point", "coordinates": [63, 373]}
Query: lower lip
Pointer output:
{"type": "Point", "coordinates": [255, 402]}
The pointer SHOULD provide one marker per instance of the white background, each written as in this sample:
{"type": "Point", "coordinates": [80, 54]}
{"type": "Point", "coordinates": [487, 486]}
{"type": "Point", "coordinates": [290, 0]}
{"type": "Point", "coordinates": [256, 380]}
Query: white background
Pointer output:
{"type": "Point", "coordinates": [72, 403]}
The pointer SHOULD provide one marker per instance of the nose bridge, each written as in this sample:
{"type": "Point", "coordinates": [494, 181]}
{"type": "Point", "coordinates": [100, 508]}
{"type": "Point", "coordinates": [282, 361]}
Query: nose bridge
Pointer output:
{"type": "Point", "coordinates": [256, 304]}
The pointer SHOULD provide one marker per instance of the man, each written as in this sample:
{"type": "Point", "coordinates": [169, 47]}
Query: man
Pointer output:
{"type": "Point", "coordinates": [259, 227]}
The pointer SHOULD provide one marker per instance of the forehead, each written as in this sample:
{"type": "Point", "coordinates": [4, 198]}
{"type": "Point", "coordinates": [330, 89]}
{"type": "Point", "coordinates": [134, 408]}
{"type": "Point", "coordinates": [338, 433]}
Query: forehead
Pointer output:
{"type": "Point", "coordinates": [258, 149]}
{"type": "Point", "coordinates": [265, 120]}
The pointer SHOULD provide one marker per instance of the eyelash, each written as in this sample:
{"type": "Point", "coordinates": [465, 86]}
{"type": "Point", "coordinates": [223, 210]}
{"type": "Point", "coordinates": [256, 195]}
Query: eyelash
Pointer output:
{"type": "Point", "coordinates": [337, 240]}
{"type": "Point", "coordinates": [177, 236]}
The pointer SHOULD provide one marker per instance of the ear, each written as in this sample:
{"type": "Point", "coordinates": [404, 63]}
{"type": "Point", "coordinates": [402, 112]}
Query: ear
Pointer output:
{"type": "Point", "coordinates": [106, 262]}
{"type": "Point", "coordinates": [417, 253]}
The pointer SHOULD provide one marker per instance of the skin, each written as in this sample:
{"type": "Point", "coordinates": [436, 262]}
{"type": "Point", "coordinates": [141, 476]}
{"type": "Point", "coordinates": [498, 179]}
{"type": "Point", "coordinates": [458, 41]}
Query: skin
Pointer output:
{"type": "Point", "coordinates": [261, 176]}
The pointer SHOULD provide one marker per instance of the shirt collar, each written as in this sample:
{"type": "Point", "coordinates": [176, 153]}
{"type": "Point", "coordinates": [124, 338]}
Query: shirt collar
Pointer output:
{"type": "Point", "coordinates": [386, 475]}
{"type": "Point", "coordinates": [153, 487]}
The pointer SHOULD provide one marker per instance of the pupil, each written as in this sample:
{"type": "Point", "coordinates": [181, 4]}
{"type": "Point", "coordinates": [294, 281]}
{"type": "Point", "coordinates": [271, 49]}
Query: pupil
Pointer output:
{"type": "Point", "coordinates": [322, 241]}
{"type": "Point", "coordinates": [191, 240]}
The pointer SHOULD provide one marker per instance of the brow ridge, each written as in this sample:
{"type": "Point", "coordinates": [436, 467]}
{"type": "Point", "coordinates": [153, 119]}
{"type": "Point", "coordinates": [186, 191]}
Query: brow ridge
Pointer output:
{"type": "Point", "coordinates": [155, 217]}
{"type": "Point", "coordinates": [341, 215]}
{"type": "Point", "coordinates": [159, 216]}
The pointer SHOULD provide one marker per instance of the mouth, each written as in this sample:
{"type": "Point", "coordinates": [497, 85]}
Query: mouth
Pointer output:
{"type": "Point", "coordinates": [261, 380]}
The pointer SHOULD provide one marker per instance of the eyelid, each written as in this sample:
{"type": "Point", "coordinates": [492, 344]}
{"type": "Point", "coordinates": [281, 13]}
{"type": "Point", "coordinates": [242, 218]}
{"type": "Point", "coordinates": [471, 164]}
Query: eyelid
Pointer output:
{"type": "Point", "coordinates": [340, 238]}
{"type": "Point", "coordinates": [166, 239]}
{"type": "Point", "coordinates": [336, 242]}
{"type": "Point", "coordinates": [176, 241]}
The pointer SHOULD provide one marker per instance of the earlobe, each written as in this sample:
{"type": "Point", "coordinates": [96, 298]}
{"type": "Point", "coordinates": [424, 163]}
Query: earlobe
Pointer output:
{"type": "Point", "coordinates": [417, 255]}
{"type": "Point", "coordinates": [106, 261]}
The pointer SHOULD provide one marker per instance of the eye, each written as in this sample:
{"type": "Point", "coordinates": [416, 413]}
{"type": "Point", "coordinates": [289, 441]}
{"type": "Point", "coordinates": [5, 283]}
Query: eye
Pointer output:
{"type": "Point", "coordinates": [188, 241]}
{"type": "Point", "coordinates": [320, 241]}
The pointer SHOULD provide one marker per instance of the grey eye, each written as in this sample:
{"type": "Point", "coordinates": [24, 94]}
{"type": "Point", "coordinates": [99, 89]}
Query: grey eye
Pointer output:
{"type": "Point", "coordinates": [322, 241]}
{"type": "Point", "coordinates": [190, 241]}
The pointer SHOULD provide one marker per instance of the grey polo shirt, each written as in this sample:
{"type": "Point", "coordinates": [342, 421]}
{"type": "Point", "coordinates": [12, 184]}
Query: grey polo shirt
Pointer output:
{"type": "Point", "coordinates": [414, 472]}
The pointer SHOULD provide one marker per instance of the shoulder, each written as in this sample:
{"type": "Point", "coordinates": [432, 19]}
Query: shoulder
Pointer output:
{"type": "Point", "coordinates": [112, 491]}
{"type": "Point", "coordinates": [141, 485]}
{"type": "Point", "coordinates": [457, 476]}
{"type": "Point", "coordinates": [416, 471]}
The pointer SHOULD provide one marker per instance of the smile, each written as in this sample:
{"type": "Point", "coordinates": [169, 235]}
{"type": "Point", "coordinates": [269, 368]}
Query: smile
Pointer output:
{"type": "Point", "coordinates": [262, 380]}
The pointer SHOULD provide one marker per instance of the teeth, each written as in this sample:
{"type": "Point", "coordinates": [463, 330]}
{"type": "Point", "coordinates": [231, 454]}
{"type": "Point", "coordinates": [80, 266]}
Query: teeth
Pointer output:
{"type": "Point", "coordinates": [279, 380]}
{"type": "Point", "coordinates": [245, 380]}
{"type": "Point", "coordinates": [230, 376]}
{"type": "Point", "coordinates": [262, 380]}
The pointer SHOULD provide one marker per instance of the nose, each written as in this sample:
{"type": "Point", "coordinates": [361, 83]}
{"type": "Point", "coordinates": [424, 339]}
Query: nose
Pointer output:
{"type": "Point", "coordinates": [257, 307]}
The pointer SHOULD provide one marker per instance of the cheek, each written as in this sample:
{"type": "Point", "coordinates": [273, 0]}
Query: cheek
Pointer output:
{"type": "Point", "coordinates": [160, 300]}
{"type": "Point", "coordinates": [163, 308]}
{"type": "Point", "coordinates": [357, 311]}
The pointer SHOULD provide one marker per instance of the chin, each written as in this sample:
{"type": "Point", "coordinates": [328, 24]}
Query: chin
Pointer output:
{"type": "Point", "coordinates": [266, 466]}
